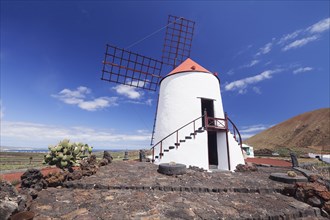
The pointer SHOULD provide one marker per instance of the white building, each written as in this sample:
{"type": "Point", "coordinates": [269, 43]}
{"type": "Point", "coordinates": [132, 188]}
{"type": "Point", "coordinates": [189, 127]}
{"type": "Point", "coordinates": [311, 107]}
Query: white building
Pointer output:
{"type": "Point", "coordinates": [248, 150]}
{"type": "Point", "coordinates": [183, 133]}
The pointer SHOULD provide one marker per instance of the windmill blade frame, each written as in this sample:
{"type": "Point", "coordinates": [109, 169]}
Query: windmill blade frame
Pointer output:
{"type": "Point", "coordinates": [128, 68]}
{"type": "Point", "coordinates": [178, 40]}
{"type": "Point", "coordinates": [125, 67]}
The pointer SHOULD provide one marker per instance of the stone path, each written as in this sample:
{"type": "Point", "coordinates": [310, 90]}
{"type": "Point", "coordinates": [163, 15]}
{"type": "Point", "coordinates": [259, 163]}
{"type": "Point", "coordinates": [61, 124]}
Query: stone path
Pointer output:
{"type": "Point", "coordinates": [133, 190]}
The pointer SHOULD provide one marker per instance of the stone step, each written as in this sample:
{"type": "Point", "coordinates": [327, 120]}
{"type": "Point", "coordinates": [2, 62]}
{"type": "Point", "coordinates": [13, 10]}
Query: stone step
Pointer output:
{"type": "Point", "coordinates": [188, 137]}
{"type": "Point", "coordinates": [166, 150]}
{"type": "Point", "coordinates": [171, 147]}
{"type": "Point", "coordinates": [177, 144]}
{"type": "Point", "coordinates": [181, 141]}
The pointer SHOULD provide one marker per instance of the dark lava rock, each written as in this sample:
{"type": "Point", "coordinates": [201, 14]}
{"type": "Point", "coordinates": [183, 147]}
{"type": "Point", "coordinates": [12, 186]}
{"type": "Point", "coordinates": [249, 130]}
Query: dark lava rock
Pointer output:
{"type": "Point", "coordinates": [107, 156]}
{"type": "Point", "coordinates": [103, 162]}
{"type": "Point", "coordinates": [91, 160]}
{"type": "Point", "coordinates": [315, 194]}
{"type": "Point", "coordinates": [314, 201]}
{"type": "Point", "coordinates": [198, 169]}
{"type": "Point", "coordinates": [89, 167]}
{"type": "Point", "coordinates": [25, 215]}
{"type": "Point", "coordinates": [245, 168]}
{"type": "Point", "coordinates": [56, 179]}
{"type": "Point", "coordinates": [75, 175]}
{"type": "Point", "coordinates": [33, 178]}
{"type": "Point", "coordinates": [289, 190]}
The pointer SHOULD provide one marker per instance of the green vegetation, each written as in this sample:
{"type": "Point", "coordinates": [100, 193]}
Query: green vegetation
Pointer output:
{"type": "Point", "coordinates": [66, 154]}
{"type": "Point", "coordinates": [20, 160]}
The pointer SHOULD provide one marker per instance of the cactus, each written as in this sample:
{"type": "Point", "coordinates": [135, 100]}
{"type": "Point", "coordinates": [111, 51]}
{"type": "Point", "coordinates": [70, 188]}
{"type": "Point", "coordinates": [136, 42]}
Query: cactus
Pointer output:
{"type": "Point", "coordinates": [66, 154]}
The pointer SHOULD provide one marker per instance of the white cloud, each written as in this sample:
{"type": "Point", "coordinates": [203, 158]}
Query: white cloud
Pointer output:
{"type": "Point", "coordinates": [256, 90]}
{"type": "Point", "coordinates": [78, 97]}
{"type": "Point", "coordinates": [230, 72]}
{"type": "Point", "coordinates": [302, 69]}
{"type": "Point", "coordinates": [26, 134]}
{"type": "Point", "coordinates": [320, 26]}
{"type": "Point", "coordinates": [249, 131]}
{"type": "Point", "coordinates": [243, 50]}
{"type": "Point", "coordinates": [300, 42]}
{"type": "Point", "coordinates": [252, 63]}
{"type": "Point", "coordinates": [265, 49]}
{"type": "Point", "coordinates": [2, 110]}
{"type": "Point", "coordinates": [290, 36]}
{"type": "Point", "coordinates": [149, 102]}
{"type": "Point", "coordinates": [128, 91]}
{"type": "Point", "coordinates": [98, 103]}
{"type": "Point", "coordinates": [242, 84]}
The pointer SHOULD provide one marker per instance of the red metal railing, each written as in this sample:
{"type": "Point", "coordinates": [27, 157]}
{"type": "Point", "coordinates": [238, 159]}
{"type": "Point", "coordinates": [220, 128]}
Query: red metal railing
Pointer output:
{"type": "Point", "coordinates": [215, 123]}
{"type": "Point", "coordinates": [223, 124]}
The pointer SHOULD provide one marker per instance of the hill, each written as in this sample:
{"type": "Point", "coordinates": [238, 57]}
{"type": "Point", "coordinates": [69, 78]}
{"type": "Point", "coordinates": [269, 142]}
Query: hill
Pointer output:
{"type": "Point", "coordinates": [309, 131]}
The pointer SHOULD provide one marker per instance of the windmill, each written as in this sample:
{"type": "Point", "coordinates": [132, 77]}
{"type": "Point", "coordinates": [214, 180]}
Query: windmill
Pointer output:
{"type": "Point", "coordinates": [190, 125]}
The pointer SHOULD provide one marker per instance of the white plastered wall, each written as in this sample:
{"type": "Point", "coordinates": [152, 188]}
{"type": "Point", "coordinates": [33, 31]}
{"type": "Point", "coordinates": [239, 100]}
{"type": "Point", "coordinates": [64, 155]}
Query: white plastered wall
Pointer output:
{"type": "Point", "coordinates": [235, 152]}
{"type": "Point", "coordinates": [179, 103]}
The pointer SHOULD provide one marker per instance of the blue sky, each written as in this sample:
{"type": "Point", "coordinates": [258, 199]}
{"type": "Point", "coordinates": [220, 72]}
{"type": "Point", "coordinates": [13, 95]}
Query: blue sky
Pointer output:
{"type": "Point", "coordinates": [272, 58]}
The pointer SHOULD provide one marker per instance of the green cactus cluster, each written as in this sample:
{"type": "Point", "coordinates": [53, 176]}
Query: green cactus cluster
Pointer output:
{"type": "Point", "coordinates": [66, 154]}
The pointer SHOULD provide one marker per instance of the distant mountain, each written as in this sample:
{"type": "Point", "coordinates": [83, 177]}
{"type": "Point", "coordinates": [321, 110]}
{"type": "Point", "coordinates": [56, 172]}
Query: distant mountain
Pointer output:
{"type": "Point", "coordinates": [310, 130]}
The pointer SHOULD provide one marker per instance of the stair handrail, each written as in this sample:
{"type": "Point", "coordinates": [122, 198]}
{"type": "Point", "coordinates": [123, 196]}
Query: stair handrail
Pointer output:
{"type": "Point", "coordinates": [161, 141]}
{"type": "Point", "coordinates": [235, 131]}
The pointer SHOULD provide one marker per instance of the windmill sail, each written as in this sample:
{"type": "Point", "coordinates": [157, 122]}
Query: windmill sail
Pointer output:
{"type": "Point", "coordinates": [178, 39]}
{"type": "Point", "coordinates": [128, 68]}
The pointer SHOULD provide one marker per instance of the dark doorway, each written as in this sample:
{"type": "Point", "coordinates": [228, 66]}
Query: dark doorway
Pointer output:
{"type": "Point", "coordinates": [212, 147]}
{"type": "Point", "coordinates": [207, 104]}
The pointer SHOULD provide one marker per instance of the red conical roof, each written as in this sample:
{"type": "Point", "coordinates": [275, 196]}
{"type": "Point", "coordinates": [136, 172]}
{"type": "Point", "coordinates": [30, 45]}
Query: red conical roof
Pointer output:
{"type": "Point", "coordinates": [189, 66]}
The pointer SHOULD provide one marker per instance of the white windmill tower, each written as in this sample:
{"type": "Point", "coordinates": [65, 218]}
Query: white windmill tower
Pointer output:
{"type": "Point", "coordinates": [190, 125]}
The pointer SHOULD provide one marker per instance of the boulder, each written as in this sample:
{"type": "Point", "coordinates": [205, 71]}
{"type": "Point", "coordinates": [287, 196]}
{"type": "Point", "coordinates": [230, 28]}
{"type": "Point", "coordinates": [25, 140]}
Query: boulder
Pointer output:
{"type": "Point", "coordinates": [89, 167]}
{"type": "Point", "coordinates": [107, 156]}
{"type": "Point", "coordinates": [91, 160]}
{"type": "Point", "coordinates": [314, 194]}
{"type": "Point", "coordinates": [56, 179]}
{"type": "Point", "coordinates": [11, 201]}
{"type": "Point", "coordinates": [33, 178]}
{"type": "Point", "coordinates": [245, 168]}
{"type": "Point", "coordinates": [75, 175]}
{"type": "Point", "coordinates": [103, 162]}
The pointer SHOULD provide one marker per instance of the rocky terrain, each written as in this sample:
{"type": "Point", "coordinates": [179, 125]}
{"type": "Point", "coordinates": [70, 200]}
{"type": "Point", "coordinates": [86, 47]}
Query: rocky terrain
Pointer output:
{"type": "Point", "coordinates": [135, 190]}
{"type": "Point", "coordinates": [310, 130]}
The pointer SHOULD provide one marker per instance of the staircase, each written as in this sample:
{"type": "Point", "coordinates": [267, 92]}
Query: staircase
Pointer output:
{"type": "Point", "coordinates": [178, 141]}
{"type": "Point", "coordinates": [209, 124]}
